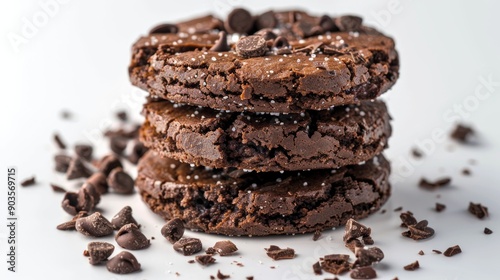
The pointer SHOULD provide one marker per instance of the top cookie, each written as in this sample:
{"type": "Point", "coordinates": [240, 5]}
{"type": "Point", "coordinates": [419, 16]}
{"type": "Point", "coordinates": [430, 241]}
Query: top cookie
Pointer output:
{"type": "Point", "coordinates": [283, 62]}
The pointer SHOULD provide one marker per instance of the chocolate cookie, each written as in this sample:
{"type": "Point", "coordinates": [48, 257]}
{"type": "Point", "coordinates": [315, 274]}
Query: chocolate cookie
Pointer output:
{"type": "Point", "coordinates": [234, 202]}
{"type": "Point", "coordinates": [300, 63]}
{"type": "Point", "coordinates": [267, 142]}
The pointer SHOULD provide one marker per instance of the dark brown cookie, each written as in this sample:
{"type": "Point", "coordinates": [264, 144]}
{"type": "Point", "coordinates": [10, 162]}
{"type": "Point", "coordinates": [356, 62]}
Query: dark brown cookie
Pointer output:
{"type": "Point", "coordinates": [267, 142]}
{"type": "Point", "coordinates": [233, 202]}
{"type": "Point", "coordinates": [319, 69]}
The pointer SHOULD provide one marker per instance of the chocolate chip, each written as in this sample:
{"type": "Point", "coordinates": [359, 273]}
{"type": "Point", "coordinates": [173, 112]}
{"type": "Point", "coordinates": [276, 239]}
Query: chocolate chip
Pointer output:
{"type": "Point", "coordinates": [251, 46]}
{"type": "Point", "coordinates": [437, 252]}
{"type": "Point", "coordinates": [98, 180]}
{"type": "Point", "coordinates": [84, 151]}
{"type": "Point", "coordinates": [440, 207]}
{"type": "Point", "coordinates": [349, 23]}
{"type": "Point", "coordinates": [122, 116]}
{"type": "Point", "coordinates": [118, 144]}
{"type": "Point", "coordinates": [424, 183]}
{"type": "Point", "coordinates": [478, 210]}
{"type": "Point", "coordinates": [70, 225]}
{"type": "Point", "coordinates": [412, 266]}
{"type": "Point", "coordinates": [266, 20]}
{"type": "Point", "coordinates": [317, 268]}
{"type": "Point", "coordinates": [366, 272]}
{"type": "Point", "coordinates": [366, 257]}
{"type": "Point", "coordinates": [416, 153]}
{"type": "Point", "coordinates": [281, 45]}
{"type": "Point", "coordinates": [305, 29]}
{"type": "Point", "coordinates": [327, 24]}
{"type": "Point", "coordinates": [130, 237]}
{"type": "Point", "coordinates": [99, 252]}
{"type": "Point", "coordinates": [419, 231]}
{"type": "Point", "coordinates": [487, 231]}
{"type": "Point", "coordinates": [73, 202]}
{"type": "Point", "coordinates": [138, 150]}
{"type": "Point", "coordinates": [452, 251]}
{"type": "Point", "coordinates": [92, 190]}
{"type": "Point", "coordinates": [77, 169]}
{"type": "Point", "coordinates": [205, 259]}
{"type": "Point", "coordinates": [221, 276]}
{"type": "Point", "coordinates": [317, 235]}
{"type": "Point", "coordinates": [57, 188]}
{"type": "Point", "coordinates": [239, 21]}
{"type": "Point", "coordinates": [94, 225]}
{"type": "Point", "coordinates": [173, 230]}
{"type": "Point", "coordinates": [225, 248]}
{"type": "Point", "coordinates": [407, 219]}
{"type": "Point", "coordinates": [421, 253]}
{"type": "Point", "coordinates": [462, 133]}
{"type": "Point", "coordinates": [59, 142]}
{"type": "Point", "coordinates": [108, 163]}
{"type": "Point", "coordinates": [276, 253]}
{"type": "Point", "coordinates": [123, 217]}
{"type": "Point", "coordinates": [164, 28]}
{"type": "Point", "coordinates": [28, 182]}
{"type": "Point", "coordinates": [188, 246]}
{"type": "Point", "coordinates": [120, 181]}
{"type": "Point", "coordinates": [221, 45]}
{"type": "Point", "coordinates": [62, 163]}
{"type": "Point", "coordinates": [123, 263]}
{"type": "Point", "coordinates": [210, 251]}
{"type": "Point", "coordinates": [354, 229]}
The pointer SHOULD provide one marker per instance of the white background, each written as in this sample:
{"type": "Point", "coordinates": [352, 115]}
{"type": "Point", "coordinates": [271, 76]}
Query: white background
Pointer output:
{"type": "Point", "coordinates": [77, 59]}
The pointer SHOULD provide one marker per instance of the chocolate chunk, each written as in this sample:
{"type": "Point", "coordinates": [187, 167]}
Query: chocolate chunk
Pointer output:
{"type": "Point", "coordinates": [349, 23]}
{"type": "Point", "coordinates": [221, 45]}
{"type": "Point", "coordinates": [98, 180]}
{"type": "Point", "coordinates": [188, 246]}
{"type": "Point", "coordinates": [28, 182]}
{"type": "Point", "coordinates": [354, 230]}
{"type": "Point", "coordinates": [478, 210]}
{"type": "Point", "coordinates": [94, 225]}
{"type": "Point", "coordinates": [60, 143]}
{"type": "Point", "coordinates": [77, 169]}
{"type": "Point", "coordinates": [440, 207]}
{"type": "Point", "coordinates": [120, 181]}
{"type": "Point", "coordinates": [487, 231]}
{"type": "Point", "coordinates": [62, 163]}
{"type": "Point", "coordinates": [130, 237]}
{"type": "Point", "coordinates": [353, 244]}
{"type": "Point", "coordinates": [122, 115]}
{"type": "Point", "coordinates": [138, 150]}
{"type": "Point", "coordinates": [366, 257]}
{"type": "Point", "coordinates": [452, 251]}
{"type": "Point", "coordinates": [92, 190]}
{"type": "Point", "coordinates": [305, 29]}
{"type": "Point", "coordinates": [327, 24]}
{"type": "Point", "coordinates": [419, 231]}
{"type": "Point", "coordinates": [123, 263]}
{"type": "Point", "coordinates": [421, 253]}
{"type": "Point", "coordinates": [412, 266]}
{"type": "Point", "coordinates": [367, 240]}
{"type": "Point", "coordinates": [118, 144]}
{"type": "Point", "coordinates": [462, 133]}
{"type": "Point", "coordinates": [239, 21]}
{"type": "Point", "coordinates": [73, 202]}
{"type": "Point", "coordinates": [366, 272]}
{"type": "Point", "coordinates": [57, 188]}
{"type": "Point", "coordinates": [222, 276]}
{"type": "Point", "coordinates": [99, 251]}
{"type": "Point", "coordinates": [108, 163]}
{"type": "Point", "coordinates": [70, 225]}
{"type": "Point", "coordinates": [210, 251]}
{"type": "Point", "coordinates": [424, 183]}
{"type": "Point", "coordinates": [437, 252]}
{"type": "Point", "coordinates": [266, 20]}
{"type": "Point", "coordinates": [123, 217]}
{"type": "Point", "coordinates": [407, 219]}
{"type": "Point", "coordinates": [251, 46]}
{"type": "Point", "coordinates": [225, 248]}
{"type": "Point", "coordinates": [84, 151]}
{"type": "Point", "coordinates": [335, 263]}
{"type": "Point", "coordinates": [317, 268]}
{"type": "Point", "coordinates": [276, 253]}
{"type": "Point", "coordinates": [317, 235]}
{"type": "Point", "coordinates": [164, 28]}
{"type": "Point", "coordinates": [173, 230]}
{"type": "Point", "coordinates": [204, 259]}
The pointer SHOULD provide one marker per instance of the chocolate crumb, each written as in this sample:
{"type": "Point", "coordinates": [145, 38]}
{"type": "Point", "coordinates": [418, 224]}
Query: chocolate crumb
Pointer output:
{"type": "Point", "coordinates": [428, 185]}
{"type": "Point", "coordinates": [57, 188]}
{"type": "Point", "coordinates": [210, 251]}
{"type": "Point", "coordinates": [478, 210]}
{"type": "Point", "coordinates": [317, 268]}
{"type": "Point", "coordinates": [452, 251]}
{"type": "Point", "coordinates": [419, 231]}
{"type": "Point", "coordinates": [440, 207]}
{"type": "Point", "coordinates": [84, 151]}
{"type": "Point", "coordinates": [437, 252]}
{"type": "Point", "coordinates": [70, 225]}
{"type": "Point", "coordinates": [416, 153]}
{"type": "Point", "coordinates": [205, 259]}
{"type": "Point", "coordinates": [276, 253]}
{"type": "Point", "coordinates": [221, 276]}
{"type": "Point", "coordinates": [487, 231]}
{"type": "Point", "coordinates": [421, 253]}
{"type": "Point", "coordinates": [462, 133]}
{"type": "Point", "coordinates": [272, 267]}
{"type": "Point", "coordinates": [191, 261]}
{"type": "Point", "coordinates": [383, 211]}
{"type": "Point", "coordinates": [122, 116]}
{"type": "Point", "coordinates": [317, 235]}
{"type": "Point", "coordinates": [59, 142]}
{"type": "Point", "coordinates": [86, 253]}
{"type": "Point", "coordinates": [66, 115]}
{"type": "Point", "coordinates": [212, 277]}
{"type": "Point", "coordinates": [28, 182]}
{"type": "Point", "coordinates": [412, 266]}
{"type": "Point", "coordinates": [398, 209]}
{"type": "Point", "coordinates": [249, 277]}
{"type": "Point", "coordinates": [466, 172]}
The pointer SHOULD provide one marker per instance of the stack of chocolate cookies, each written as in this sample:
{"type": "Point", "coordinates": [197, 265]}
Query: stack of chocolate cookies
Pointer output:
{"type": "Point", "coordinates": [264, 124]}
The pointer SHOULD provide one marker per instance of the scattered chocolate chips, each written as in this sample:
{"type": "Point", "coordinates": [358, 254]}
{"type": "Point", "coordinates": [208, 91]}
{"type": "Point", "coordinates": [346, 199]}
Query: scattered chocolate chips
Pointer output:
{"type": "Point", "coordinates": [354, 230]}
{"type": "Point", "coordinates": [123, 263]}
{"type": "Point", "coordinates": [122, 115]}
{"type": "Point", "coordinates": [108, 163]}
{"type": "Point", "coordinates": [57, 188]}
{"type": "Point", "coordinates": [130, 237]}
{"type": "Point", "coordinates": [437, 252]}
{"type": "Point", "coordinates": [424, 183]}
{"type": "Point", "coordinates": [349, 23]}
{"type": "Point", "coordinates": [266, 20]}
{"type": "Point", "coordinates": [70, 225]}
{"type": "Point", "coordinates": [412, 266]}
{"type": "Point", "coordinates": [440, 207]}
{"type": "Point", "coordinates": [94, 225]}
{"type": "Point", "coordinates": [225, 248]}
{"type": "Point", "coordinates": [421, 253]}
{"type": "Point", "coordinates": [123, 217]}
{"type": "Point", "coordinates": [98, 180]}
{"type": "Point", "coordinates": [239, 21]}
{"type": "Point", "coordinates": [419, 231]}
{"type": "Point", "coordinates": [118, 144]}
{"type": "Point", "coordinates": [487, 231]}
{"type": "Point", "coordinates": [28, 182]}
{"type": "Point", "coordinates": [173, 230]}
{"type": "Point", "coordinates": [366, 257]}
{"type": "Point", "coordinates": [62, 163]}
{"type": "Point", "coordinates": [221, 45]}
{"type": "Point", "coordinates": [316, 235]}
{"type": "Point", "coordinates": [99, 252]}
{"type": "Point", "coordinates": [77, 169]}
{"type": "Point", "coordinates": [221, 276]}
{"type": "Point", "coordinates": [462, 133]}
{"type": "Point", "coordinates": [120, 181]}
{"type": "Point", "coordinates": [317, 268]}
{"type": "Point", "coordinates": [251, 46]}
{"type": "Point", "coordinates": [59, 142]}
{"type": "Point", "coordinates": [205, 259]}
{"type": "Point", "coordinates": [84, 151]}
{"type": "Point", "coordinates": [164, 29]}
{"type": "Point", "coordinates": [188, 246]}
{"type": "Point", "coordinates": [276, 253]}
{"type": "Point", "coordinates": [366, 272]}
{"type": "Point", "coordinates": [478, 210]}
{"type": "Point", "coordinates": [451, 251]}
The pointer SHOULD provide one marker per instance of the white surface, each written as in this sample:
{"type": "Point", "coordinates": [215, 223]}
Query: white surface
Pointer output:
{"type": "Point", "coordinates": [78, 61]}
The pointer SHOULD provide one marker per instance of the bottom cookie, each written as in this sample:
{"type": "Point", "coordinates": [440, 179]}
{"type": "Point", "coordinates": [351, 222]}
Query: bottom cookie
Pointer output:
{"type": "Point", "coordinates": [235, 202]}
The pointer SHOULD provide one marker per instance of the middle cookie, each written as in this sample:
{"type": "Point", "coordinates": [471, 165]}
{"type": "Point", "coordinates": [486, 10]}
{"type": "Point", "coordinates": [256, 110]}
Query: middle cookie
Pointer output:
{"type": "Point", "coordinates": [267, 142]}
